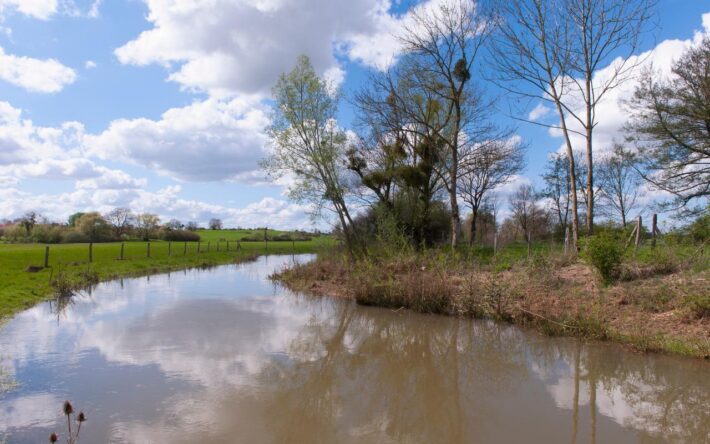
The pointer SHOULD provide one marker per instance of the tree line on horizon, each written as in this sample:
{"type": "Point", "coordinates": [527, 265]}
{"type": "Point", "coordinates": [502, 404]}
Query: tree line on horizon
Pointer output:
{"type": "Point", "coordinates": [425, 143]}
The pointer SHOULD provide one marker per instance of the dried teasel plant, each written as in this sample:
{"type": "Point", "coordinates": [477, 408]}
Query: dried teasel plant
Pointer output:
{"type": "Point", "coordinates": [72, 435]}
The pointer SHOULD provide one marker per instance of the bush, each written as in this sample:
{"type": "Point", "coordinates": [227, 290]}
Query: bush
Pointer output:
{"type": "Point", "coordinates": [179, 236]}
{"type": "Point", "coordinates": [74, 237]}
{"type": "Point", "coordinates": [15, 233]}
{"type": "Point", "coordinates": [604, 252]}
{"type": "Point", "coordinates": [94, 227]}
{"type": "Point", "coordinates": [699, 230]}
{"type": "Point", "coordinates": [47, 234]}
{"type": "Point", "coordinates": [699, 305]}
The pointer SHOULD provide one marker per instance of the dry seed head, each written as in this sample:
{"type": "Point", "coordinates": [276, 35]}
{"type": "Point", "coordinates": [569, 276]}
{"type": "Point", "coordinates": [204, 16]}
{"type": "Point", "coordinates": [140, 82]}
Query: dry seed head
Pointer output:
{"type": "Point", "coordinates": [68, 408]}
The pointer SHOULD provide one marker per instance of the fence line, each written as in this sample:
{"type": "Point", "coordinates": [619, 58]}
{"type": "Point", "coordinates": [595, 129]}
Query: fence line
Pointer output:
{"type": "Point", "coordinates": [50, 251]}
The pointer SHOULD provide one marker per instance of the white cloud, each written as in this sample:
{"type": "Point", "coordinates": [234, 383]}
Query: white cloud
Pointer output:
{"type": "Point", "coordinates": [90, 64]}
{"type": "Point", "coordinates": [539, 112]}
{"type": "Point", "coordinates": [612, 113]}
{"type": "Point", "coordinates": [44, 76]}
{"type": "Point", "coordinates": [39, 9]}
{"type": "Point", "coordinates": [229, 47]}
{"type": "Point", "coordinates": [211, 140]}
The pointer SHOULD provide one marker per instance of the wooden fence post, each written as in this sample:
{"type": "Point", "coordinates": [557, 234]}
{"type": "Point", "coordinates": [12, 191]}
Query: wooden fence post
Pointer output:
{"type": "Point", "coordinates": [239, 245]}
{"type": "Point", "coordinates": [227, 245]}
{"type": "Point", "coordinates": [654, 229]}
{"type": "Point", "coordinates": [198, 246]}
{"type": "Point", "coordinates": [184, 249]}
{"type": "Point", "coordinates": [170, 248]}
{"type": "Point", "coordinates": [208, 246]}
{"type": "Point", "coordinates": [217, 245]}
{"type": "Point", "coordinates": [122, 245]}
{"type": "Point", "coordinates": [148, 248]}
{"type": "Point", "coordinates": [638, 232]}
{"type": "Point", "coordinates": [46, 256]}
{"type": "Point", "coordinates": [91, 251]}
{"type": "Point", "coordinates": [266, 238]}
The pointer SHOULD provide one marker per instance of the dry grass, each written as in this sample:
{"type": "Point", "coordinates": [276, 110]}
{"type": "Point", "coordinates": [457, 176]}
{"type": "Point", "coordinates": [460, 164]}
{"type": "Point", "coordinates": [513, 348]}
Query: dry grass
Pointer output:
{"type": "Point", "coordinates": [660, 307]}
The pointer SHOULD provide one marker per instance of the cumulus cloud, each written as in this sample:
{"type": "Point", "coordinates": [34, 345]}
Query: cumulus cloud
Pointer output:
{"type": "Point", "coordinates": [39, 9]}
{"type": "Point", "coordinates": [90, 64]}
{"type": "Point", "coordinates": [539, 112]}
{"type": "Point", "coordinates": [612, 113]}
{"type": "Point", "coordinates": [30, 151]}
{"type": "Point", "coordinates": [210, 140]}
{"type": "Point", "coordinates": [227, 47]}
{"type": "Point", "coordinates": [36, 75]}
{"type": "Point", "coordinates": [166, 202]}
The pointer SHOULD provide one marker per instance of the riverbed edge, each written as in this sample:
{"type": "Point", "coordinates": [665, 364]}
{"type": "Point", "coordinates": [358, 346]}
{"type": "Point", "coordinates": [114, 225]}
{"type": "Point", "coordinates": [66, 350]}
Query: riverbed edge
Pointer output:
{"type": "Point", "coordinates": [540, 299]}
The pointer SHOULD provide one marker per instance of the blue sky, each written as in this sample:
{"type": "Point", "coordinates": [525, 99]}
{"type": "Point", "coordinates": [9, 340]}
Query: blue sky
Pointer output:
{"type": "Point", "coordinates": [160, 105]}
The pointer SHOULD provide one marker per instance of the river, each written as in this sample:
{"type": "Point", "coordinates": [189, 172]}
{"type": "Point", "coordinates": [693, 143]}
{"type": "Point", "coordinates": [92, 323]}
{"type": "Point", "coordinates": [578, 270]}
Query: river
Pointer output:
{"type": "Point", "coordinates": [225, 355]}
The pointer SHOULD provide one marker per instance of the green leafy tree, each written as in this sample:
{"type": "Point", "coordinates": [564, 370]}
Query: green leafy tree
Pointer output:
{"type": "Point", "coordinates": [94, 227]}
{"type": "Point", "coordinates": [309, 146]}
{"type": "Point", "coordinates": [671, 128]}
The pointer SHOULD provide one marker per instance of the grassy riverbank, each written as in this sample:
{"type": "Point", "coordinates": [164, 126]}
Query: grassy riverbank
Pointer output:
{"type": "Point", "coordinates": [660, 302]}
{"type": "Point", "coordinates": [25, 282]}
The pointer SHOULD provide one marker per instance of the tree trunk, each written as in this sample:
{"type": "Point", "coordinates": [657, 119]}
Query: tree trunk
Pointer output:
{"type": "Point", "coordinates": [590, 177]}
{"type": "Point", "coordinates": [472, 230]}
{"type": "Point", "coordinates": [572, 178]}
{"type": "Point", "coordinates": [455, 220]}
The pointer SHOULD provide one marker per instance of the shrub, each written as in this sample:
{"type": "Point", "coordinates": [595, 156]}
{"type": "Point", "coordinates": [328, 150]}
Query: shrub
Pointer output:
{"type": "Point", "coordinates": [699, 305]}
{"type": "Point", "coordinates": [74, 237]}
{"type": "Point", "coordinates": [699, 230]}
{"type": "Point", "coordinates": [179, 236]}
{"type": "Point", "coordinates": [604, 252]}
{"type": "Point", "coordinates": [15, 233]}
{"type": "Point", "coordinates": [47, 234]}
{"type": "Point", "coordinates": [94, 227]}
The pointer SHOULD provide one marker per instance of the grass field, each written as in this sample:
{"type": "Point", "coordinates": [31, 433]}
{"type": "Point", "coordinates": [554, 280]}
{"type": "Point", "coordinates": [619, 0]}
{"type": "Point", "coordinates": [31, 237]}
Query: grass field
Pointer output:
{"type": "Point", "coordinates": [20, 289]}
{"type": "Point", "coordinates": [234, 235]}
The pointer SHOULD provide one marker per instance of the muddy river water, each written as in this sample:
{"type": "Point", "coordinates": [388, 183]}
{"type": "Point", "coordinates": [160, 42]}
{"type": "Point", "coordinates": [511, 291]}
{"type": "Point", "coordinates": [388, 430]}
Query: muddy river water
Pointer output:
{"type": "Point", "coordinates": [225, 355]}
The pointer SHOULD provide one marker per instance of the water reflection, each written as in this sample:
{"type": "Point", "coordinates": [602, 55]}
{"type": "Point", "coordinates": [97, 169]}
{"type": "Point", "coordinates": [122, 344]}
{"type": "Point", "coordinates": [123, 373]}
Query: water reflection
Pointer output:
{"type": "Point", "coordinates": [223, 355]}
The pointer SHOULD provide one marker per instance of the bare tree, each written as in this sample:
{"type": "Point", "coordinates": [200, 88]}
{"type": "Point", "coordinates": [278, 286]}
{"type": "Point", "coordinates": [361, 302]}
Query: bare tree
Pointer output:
{"type": "Point", "coordinates": [557, 187]}
{"type": "Point", "coordinates": [215, 224]}
{"type": "Point", "coordinates": [671, 128]}
{"type": "Point", "coordinates": [147, 225]}
{"type": "Point", "coordinates": [602, 32]}
{"type": "Point", "coordinates": [29, 220]}
{"type": "Point", "coordinates": [620, 182]}
{"type": "Point", "coordinates": [552, 49]}
{"type": "Point", "coordinates": [120, 219]}
{"type": "Point", "coordinates": [485, 167]}
{"type": "Point", "coordinates": [526, 211]}
{"type": "Point", "coordinates": [531, 54]}
{"type": "Point", "coordinates": [441, 46]}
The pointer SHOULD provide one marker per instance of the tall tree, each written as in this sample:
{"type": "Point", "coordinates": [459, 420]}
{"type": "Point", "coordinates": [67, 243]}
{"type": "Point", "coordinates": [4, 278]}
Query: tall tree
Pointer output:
{"type": "Point", "coordinates": [602, 32]}
{"type": "Point", "coordinates": [485, 167]}
{"type": "Point", "coordinates": [554, 49]}
{"type": "Point", "coordinates": [557, 188]}
{"type": "Point", "coordinates": [531, 54]}
{"type": "Point", "coordinates": [441, 45]}
{"type": "Point", "coordinates": [620, 182]}
{"type": "Point", "coordinates": [671, 128]}
{"type": "Point", "coordinates": [120, 219]}
{"type": "Point", "coordinates": [309, 145]}
{"type": "Point", "coordinates": [526, 211]}
{"type": "Point", "coordinates": [147, 225]}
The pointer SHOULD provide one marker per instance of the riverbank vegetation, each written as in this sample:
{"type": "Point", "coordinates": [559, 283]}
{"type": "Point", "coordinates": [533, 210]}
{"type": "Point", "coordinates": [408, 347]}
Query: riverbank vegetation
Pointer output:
{"type": "Point", "coordinates": [427, 148]}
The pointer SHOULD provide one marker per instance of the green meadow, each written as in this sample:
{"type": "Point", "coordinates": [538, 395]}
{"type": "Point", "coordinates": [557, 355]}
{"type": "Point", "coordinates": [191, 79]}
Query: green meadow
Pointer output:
{"type": "Point", "coordinates": [24, 281]}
